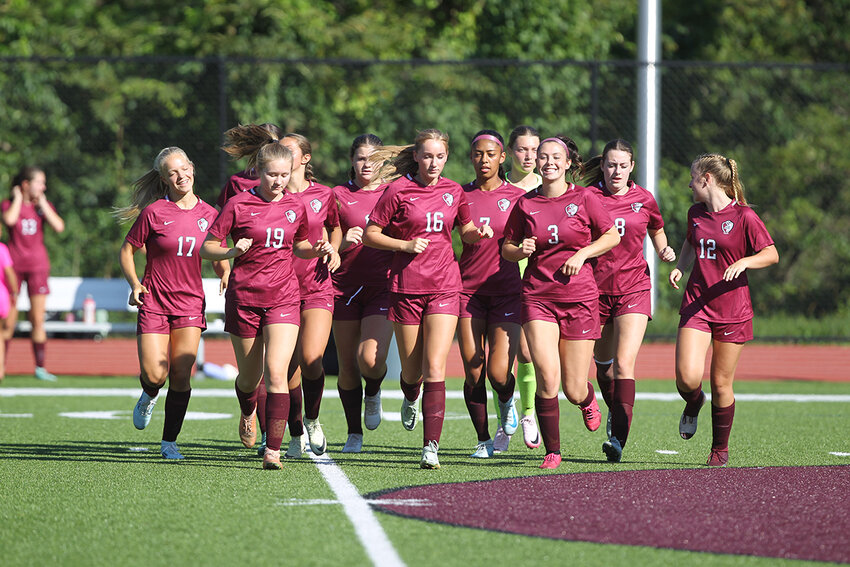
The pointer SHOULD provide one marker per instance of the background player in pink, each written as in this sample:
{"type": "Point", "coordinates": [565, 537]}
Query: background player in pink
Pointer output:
{"type": "Point", "coordinates": [8, 296]}
{"type": "Point", "coordinates": [490, 305]}
{"type": "Point", "coordinates": [622, 276]}
{"type": "Point", "coordinates": [361, 330]}
{"type": "Point", "coordinates": [248, 178]}
{"type": "Point", "coordinates": [25, 215]}
{"type": "Point", "coordinates": [262, 301]}
{"type": "Point", "coordinates": [306, 372]}
{"type": "Point", "coordinates": [171, 223]}
{"type": "Point", "coordinates": [414, 218]}
{"type": "Point", "coordinates": [725, 237]}
{"type": "Point", "coordinates": [560, 226]}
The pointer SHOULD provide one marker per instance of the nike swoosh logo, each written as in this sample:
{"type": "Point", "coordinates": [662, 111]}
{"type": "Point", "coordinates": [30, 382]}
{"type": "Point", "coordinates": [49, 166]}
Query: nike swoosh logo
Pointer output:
{"type": "Point", "coordinates": [413, 198]}
{"type": "Point", "coordinates": [254, 214]}
{"type": "Point", "coordinates": [696, 224]}
{"type": "Point", "coordinates": [442, 304]}
{"type": "Point", "coordinates": [631, 305]}
{"type": "Point", "coordinates": [285, 314]}
{"type": "Point", "coordinates": [534, 212]}
{"type": "Point", "coordinates": [729, 333]}
{"type": "Point", "coordinates": [351, 202]}
{"type": "Point", "coordinates": [193, 318]}
{"type": "Point", "coordinates": [585, 332]}
{"type": "Point", "coordinates": [383, 309]}
{"type": "Point", "coordinates": [509, 314]}
{"type": "Point", "coordinates": [168, 222]}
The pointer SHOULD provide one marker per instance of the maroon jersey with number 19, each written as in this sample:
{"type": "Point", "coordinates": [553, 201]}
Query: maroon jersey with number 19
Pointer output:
{"type": "Point", "coordinates": [719, 240]}
{"type": "Point", "coordinates": [409, 210]}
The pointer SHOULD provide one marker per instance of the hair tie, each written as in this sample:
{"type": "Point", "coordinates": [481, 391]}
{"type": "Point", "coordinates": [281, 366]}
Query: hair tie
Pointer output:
{"type": "Point", "coordinates": [488, 137]}
{"type": "Point", "coordinates": [273, 141]}
{"type": "Point", "coordinates": [558, 140]}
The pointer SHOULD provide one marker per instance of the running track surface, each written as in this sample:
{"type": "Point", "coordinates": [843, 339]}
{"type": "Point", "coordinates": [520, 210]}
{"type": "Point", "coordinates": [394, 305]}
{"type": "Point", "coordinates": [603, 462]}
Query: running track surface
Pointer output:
{"type": "Point", "coordinates": [655, 361]}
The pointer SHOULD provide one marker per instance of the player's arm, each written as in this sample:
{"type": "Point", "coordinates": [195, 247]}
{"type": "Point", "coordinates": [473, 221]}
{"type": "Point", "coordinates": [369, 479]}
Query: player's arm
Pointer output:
{"type": "Point", "coordinates": [375, 238]}
{"type": "Point", "coordinates": [335, 239]}
{"type": "Point", "coordinates": [471, 234]}
{"type": "Point", "coordinates": [128, 268]}
{"type": "Point", "coordinates": [213, 248]}
{"type": "Point", "coordinates": [765, 257]}
{"type": "Point", "coordinates": [514, 251]}
{"type": "Point", "coordinates": [601, 245]}
{"type": "Point", "coordinates": [51, 217]}
{"type": "Point", "coordinates": [13, 213]}
{"type": "Point", "coordinates": [686, 259]}
{"type": "Point", "coordinates": [662, 247]}
{"type": "Point", "coordinates": [304, 250]}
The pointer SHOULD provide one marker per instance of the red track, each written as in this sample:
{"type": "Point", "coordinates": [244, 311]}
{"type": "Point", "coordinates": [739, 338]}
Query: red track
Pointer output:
{"type": "Point", "coordinates": [758, 362]}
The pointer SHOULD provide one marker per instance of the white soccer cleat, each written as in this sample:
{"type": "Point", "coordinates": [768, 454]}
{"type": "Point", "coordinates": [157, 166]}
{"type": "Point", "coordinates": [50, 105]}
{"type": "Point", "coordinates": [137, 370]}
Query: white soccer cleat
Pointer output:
{"type": "Point", "coordinates": [297, 447]}
{"type": "Point", "coordinates": [143, 411]}
{"type": "Point", "coordinates": [318, 443]}
{"type": "Point", "coordinates": [509, 420]}
{"type": "Point", "coordinates": [373, 412]}
{"type": "Point", "coordinates": [484, 450]}
{"type": "Point", "coordinates": [354, 443]}
{"type": "Point", "coordinates": [429, 456]}
{"type": "Point", "coordinates": [409, 413]}
{"type": "Point", "coordinates": [170, 451]}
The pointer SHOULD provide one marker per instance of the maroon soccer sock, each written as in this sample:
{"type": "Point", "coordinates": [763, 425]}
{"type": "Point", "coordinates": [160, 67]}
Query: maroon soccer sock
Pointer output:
{"type": "Point", "coordinates": [591, 395]}
{"type": "Point", "coordinates": [506, 392]}
{"type": "Point", "coordinates": [373, 385]}
{"type": "Point", "coordinates": [476, 405]}
{"type": "Point", "coordinates": [152, 391]}
{"type": "Point", "coordinates": [605, 380]}
{"type": "Point", "coordinates": [247, 401]}
{"type": "Point", "coordinates": [621, 410]}
{"type": "Point", "coordinates": [433, 410]}
{"type": "Point", "coordinates": [692, 401]}
{"type": "Point", "coordinates": [175, 411]}
{"type": "Point", "coordinates": [721, 425]}
{"type": "Point", "coordinates": [277, 408]}
{"type": "Point", "coordinates": [351, 404]}
{"type": "Point", "coordinates": [261, 405]}
{"type": "Point", "coordinates": [313, 390]}
{"type": "Point", "coordinates": [549, 419]}
{"type": "Point", "coordinates": [410, 391]}
{"type": "Point", "coordinates": [296, 423]}
{"type": "Point", "coordinates": [38, 352]}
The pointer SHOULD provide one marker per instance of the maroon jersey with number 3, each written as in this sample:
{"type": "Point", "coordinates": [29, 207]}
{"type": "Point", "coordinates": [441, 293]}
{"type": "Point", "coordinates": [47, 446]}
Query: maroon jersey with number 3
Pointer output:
{"type": "Point", "coordinates": [361, 265]}
{"type": "Point", "coordinates": [719, 240]}
{"type": "Point", "coordinates": [409, 210]}
{"type": "Point", "coordinates": [482, 268]}
{"type": "Point", "coordinates": [264, 275]}
{"type": "Point", "coordinates": [172, 238]}
{"type": "Point", "coordinates": [562, 226]}
{"type": "Point", "coordinates": [623, 269]}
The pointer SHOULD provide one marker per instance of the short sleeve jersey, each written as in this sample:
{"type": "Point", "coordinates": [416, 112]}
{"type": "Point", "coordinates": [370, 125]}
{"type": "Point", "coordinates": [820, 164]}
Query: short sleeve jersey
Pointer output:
{"type": "Point", "coordinates": [172, 238]}
{"type": "Point", "coordinates": [264, 275]}
{"type": "Point", "coordinates": [320, 207]}
{"type": "Point", "coordinates": [409, 210]}
{"type": "Point", "coordinates": [482, 268]}
{"type": "Point", "coordinates": [238, 183]}
{"type": "Point", "coordinates": [26, 239]}
{"type": "Point", "coordinates": [720, 239]}
{"type": "Point", "coordinates": [623, 269]}
{"type": "Point", "coordinates": [360, 265]}
{"type": "Point", "coordinates": [562, 226]}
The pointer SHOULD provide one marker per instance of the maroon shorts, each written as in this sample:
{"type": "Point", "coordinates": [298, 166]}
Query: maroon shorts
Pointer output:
{"type": "Point", "coordinates": [611, 306]}
{"type": "Point", "coordinates": [159, 324]}
{"type": "Point", "coordinates": [323, 299]}
{"type": "Point", "coordinates": [355, 303]}
{"type": "Point", "coordinates": [739, 332]}
{"type": "Point", "coordinates": [576, 320]}
{"type": "Point", "coordinates": [409, 309]}
{"type": "Point", "coordinates": [36, 281]}
{"type": "Point", "coordinates": [492, 308]}
{"type": "Point", "coordinates": [247, 321]}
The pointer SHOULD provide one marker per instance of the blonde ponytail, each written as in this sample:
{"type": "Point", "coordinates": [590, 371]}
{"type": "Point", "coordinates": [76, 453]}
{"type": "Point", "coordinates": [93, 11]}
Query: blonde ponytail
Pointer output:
{"type": "Point", "coordinates": [149, 187]}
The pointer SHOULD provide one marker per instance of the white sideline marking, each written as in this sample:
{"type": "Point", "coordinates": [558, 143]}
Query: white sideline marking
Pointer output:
{"type": "Point", "coordinates": [388, 395]}
{"type": "Point", "coordinates": [839, 454]}
{"type": "Point", "coordinates": [15, 415]}
{"type": "Point", "coordinates": [122, 414]}
{"type": "Point", "coordinates": [138, 449]}
{"type": "Point", "coordinates": [666, 452]}
{"type": "Point", "coordinates": [372, 536]}
{"type": "Point", "coordinates": [385, 502]}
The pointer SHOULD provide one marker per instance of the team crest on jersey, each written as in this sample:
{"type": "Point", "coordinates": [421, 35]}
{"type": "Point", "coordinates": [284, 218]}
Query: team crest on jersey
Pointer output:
{"type": "Point", "coordinates": [448, 198]}
{"type": "Point", "coordinates": [726, 227]}
{"type": "Point", "coordinates": [503, 204]}
{"type": "Point", "coordinates": [316, 205]}
{"type": "Point", "coordinates": [203, 224]}
{"type": "Point", "coordinates": [636, 207]}
{"type": "Point", "coordinates": [571, 209]}
{"type": "Point", "coordinates": [290, 215]}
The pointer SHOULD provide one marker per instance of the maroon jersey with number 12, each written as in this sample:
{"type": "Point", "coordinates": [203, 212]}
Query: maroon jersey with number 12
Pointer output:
{"type": "Point", "coordinates": [264, 275]}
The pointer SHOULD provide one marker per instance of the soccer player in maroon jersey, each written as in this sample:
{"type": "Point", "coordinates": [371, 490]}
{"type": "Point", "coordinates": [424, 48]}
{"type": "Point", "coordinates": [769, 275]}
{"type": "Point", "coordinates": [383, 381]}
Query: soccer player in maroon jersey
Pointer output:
{"type": "Point", "coordinates": [361, 330]}
{"type": "Point", "coordinates": [246, 179]}
{"type": "Point", "coordinates": [725, 238]}
{"type": "Point", "coordinates": [522, 149]}
{"type": "Point", "coordinates": [25, 214]}
{"type": "Point", "coordinates": [306, 373]}
{"type": "Point", "coordinates": [8, 296]}
{"type": "Point", "coordinates": [171, 224]}
{"type": "Point", "coordinates": [262, 303]}
{"type": "Point", "coordinates": [560, 226]}
{"type": "Point", "coordinates": [414, 218]}
{"type": "Point", "coordinates": [622, 276]}
{"type": "Point", "coordinates": [489, 324]}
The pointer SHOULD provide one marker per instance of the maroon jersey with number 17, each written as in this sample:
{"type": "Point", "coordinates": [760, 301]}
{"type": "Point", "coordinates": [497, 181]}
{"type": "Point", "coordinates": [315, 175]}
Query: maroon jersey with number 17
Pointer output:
{"type": "Point", "coordinates": [719, 240]}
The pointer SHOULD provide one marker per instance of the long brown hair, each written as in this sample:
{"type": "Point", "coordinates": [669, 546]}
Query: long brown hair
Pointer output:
{"type": "Point", "coordinates": [306, 148]}
{"type": "Point", "coordinates": [397, 161]}
{"type": "Point", "coordinates": [151, 186]}
{"type": "Point", "coordinates": [593, 174]}
{"type": "Point", "coordinates": [725, 172]}
{"type": "Point", "coordinates": [576, 164]}
{"type": "Point", "coordinates": [248, 139]}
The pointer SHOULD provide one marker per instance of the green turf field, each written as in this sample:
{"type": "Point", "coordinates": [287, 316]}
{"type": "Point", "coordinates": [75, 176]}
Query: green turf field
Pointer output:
{"type": "Point", "coordinates": [83, 491]}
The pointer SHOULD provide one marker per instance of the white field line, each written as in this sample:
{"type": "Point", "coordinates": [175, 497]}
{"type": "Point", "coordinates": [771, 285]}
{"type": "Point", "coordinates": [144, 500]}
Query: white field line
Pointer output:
{"type": "Point", "coordinates": [372, 536]}
{"type": "Point", "coordinates": [331, 393]}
